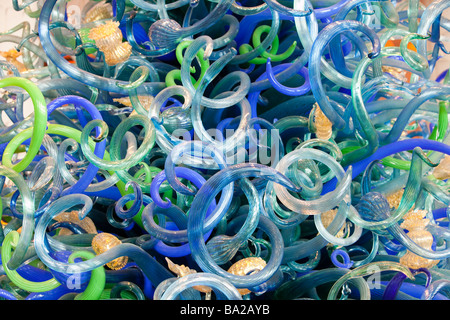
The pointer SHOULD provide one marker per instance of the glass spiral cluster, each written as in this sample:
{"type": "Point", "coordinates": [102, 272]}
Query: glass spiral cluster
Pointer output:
{"type": "Point", "coordinates": [207, 150]}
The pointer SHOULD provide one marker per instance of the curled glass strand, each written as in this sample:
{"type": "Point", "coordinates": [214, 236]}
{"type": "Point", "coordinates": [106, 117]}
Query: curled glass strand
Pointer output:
{"type": "Point", "coordinates": [222, 248]}
{"type": "Point", "coordinates": [175, 213]}
{"type": "Point", "coordinates": [299, 287]}
{"type": "Point", "coordinates": [316, 51]}
{"type": "Point", "coordinates": [154, 271]}
{"type": "Point", "coordinates": [40, 120]}
{"type": "Point", "coordinates": [74, 71]}
{"type": "Point", "coordinates": [137, 78]}
{"type": "Point", "coordinates": [217, 212]}
{"type": "Point", "coordinates": [273, 53]}
{"type": "Point", "coordinates": [70, 145]}
{"type": "Point", "coordinates": [414, 61]}
{"type": "Point", "coordinates": [367, 270]}
{"type": "Point", "coordinates": [441, 93]}
{"type": "Point", "coordinates": [342, 241]}
{"type": "Point", "coordinates": [195, 222]}
{"type": "Point", "coordinates": [275, 5]}
{"type": "Point", "coordinates": [28, 217]}
{"type": "Point", "coordinates": [303, 89]}
{"type": "Point", "coordinates": [91, 170]}
{"type": "Point", "coordinates": [153, 7]}
{"type": "Point", "coordinates": [263, 46]}
{"type": "Point", "coordinates": [325, 203]}
{"type": "Point", "coordinates": [116, 163]}
{"type": "Point", "coordinates": [433, 289]}
{"type": "Point", "coordinates": [136, 196]}
{"type": "Point", "coordinates": [126, 286]}
{"type": "Point", "coordinates": [11, 240]}
{"type": "Point", "coordinates": [210, 150]}
{"type": "Point", "coordinates": [167, 33]}
{"type": "Point", "coordinates": [41, 174]}
{"type": "Point", "coordinates": [232, 142]}
{"type": "Point", "coordinates": [192, 153]}
{"type": "Point", "coordinates": [393, 286]}
{"type": "Point", "coordinates": [385, 219]}
{"type": "Point", "coordinates": [96, 282]}
{"type": "Point", "coordinates": [223, 288]}
{"type": "Point", "coordinates": [430, 14]}
{"type": "Point", "coordinates": [190, 54]}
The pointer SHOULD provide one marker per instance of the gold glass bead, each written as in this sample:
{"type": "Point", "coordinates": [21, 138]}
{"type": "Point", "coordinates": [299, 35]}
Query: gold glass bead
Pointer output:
{"type": "Point", "coordinates": [182, 270]}
{"type": "Point", "coordinates": [245, 267]}
{"type": "Point", "coordinates": [102, 242]}
{"type": "Point", "coordinates": [108, 38]}
{"type": "Point", "coordinates": [87, 224]}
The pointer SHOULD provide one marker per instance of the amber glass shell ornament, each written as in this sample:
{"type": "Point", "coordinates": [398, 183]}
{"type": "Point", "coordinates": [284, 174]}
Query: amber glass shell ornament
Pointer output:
{"type": "Point", "coordinates": [104, 241]}
{"type": "Point", "coordinates": [11, 56]}
{"type": "Point", "coordinates": [108, 38]}
{"type": "Point", "coordinates": [415, 223]}
{"type": "Point", "coordinates": [245, 267]}
{"type": "Point", "coordinates": [182, 270]}
{"type": "Point", "coordinates": [442, 171]}
{"type": "Point", "coordinates": [322, 125]}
